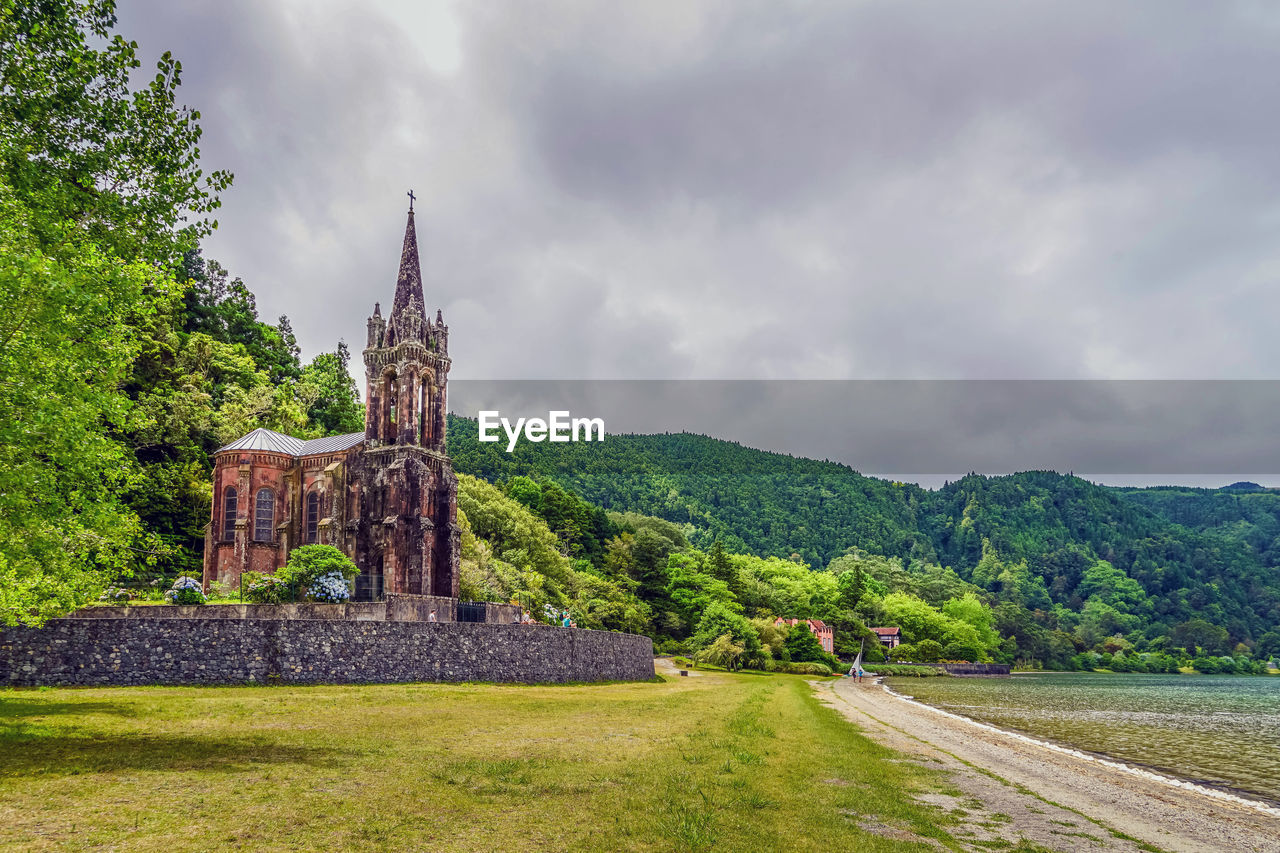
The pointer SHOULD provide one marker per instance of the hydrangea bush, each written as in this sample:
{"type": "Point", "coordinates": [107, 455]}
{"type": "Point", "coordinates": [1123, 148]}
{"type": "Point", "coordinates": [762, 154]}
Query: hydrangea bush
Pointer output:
{"type": "Point", "coordinates": [331, 587]}
{"type": "Point", "coordinates": [314, 573]}
{"type": "Point", "coordinates": [185, 590]}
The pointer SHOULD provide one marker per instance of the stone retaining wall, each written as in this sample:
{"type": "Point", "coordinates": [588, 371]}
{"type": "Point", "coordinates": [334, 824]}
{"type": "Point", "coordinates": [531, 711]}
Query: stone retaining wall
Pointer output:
{"type": "Point", "coordinates": [964, 669]}
{"type": "Point", "coordinates": [974, 669]}
{"type": "Point", "coordinates": [131, 651]}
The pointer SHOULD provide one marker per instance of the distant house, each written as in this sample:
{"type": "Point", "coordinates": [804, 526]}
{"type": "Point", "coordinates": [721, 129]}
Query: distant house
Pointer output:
{"type": "Point", "coordinates": [821, 630]}
{"type": "Point", "coordinates": [889, 637]}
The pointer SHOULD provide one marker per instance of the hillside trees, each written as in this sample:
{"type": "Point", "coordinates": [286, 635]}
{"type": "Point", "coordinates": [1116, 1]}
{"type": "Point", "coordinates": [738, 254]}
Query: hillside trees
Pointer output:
{"type": "Point", "coordinates": [125, 358]}
{"type": "Point", "coordinates": [1027, 539]}
{"type": "Point", "coordinates": [100, 193]}
{"type": "Point", "coordinates": [208, 372]}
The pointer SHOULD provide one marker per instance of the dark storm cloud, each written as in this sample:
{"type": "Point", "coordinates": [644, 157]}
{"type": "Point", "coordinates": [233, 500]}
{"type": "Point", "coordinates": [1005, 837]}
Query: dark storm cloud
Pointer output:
{"type": "Point", "coordinates": [756, 190]}
{"type": "Point", "coordinates": [1208, 432]}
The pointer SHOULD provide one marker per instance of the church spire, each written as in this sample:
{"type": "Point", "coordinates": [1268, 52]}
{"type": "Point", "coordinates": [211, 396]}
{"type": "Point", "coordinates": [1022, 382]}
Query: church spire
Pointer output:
{"type": "Point", "coordinates": [409, 282]}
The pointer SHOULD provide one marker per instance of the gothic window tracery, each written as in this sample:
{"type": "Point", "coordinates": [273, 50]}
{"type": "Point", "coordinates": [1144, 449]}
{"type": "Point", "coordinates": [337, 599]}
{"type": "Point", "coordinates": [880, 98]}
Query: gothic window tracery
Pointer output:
{"type": "Point", "coordinates": [229, 506]}
{"type": "Point", "coordinates": [264, 516]}
{"type": "Point", "coordinates": [313, 515]}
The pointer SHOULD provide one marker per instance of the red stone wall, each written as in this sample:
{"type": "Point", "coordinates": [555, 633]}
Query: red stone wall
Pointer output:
{"type": "Point", "coordinates": [248, 472]}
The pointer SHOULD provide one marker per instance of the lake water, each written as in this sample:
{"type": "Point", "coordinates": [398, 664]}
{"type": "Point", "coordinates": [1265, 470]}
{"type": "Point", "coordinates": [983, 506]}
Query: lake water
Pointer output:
{"type": "Point", "coordinates": [1217, 730]}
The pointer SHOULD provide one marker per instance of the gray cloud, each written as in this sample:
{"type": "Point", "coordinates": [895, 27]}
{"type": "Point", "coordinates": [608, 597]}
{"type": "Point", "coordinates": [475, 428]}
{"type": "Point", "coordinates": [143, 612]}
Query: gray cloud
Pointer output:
{"type": "Point", "coordinates": [757, 190]}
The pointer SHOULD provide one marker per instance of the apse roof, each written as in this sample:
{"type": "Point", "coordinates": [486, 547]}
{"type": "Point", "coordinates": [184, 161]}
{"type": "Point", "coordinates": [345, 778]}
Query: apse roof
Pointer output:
{"type": "Point", "coordinates": [277, 442]}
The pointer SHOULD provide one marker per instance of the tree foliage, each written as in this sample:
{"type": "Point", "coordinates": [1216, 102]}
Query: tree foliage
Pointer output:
{"type": "Point", "coordinates": [125, 358]}
{"type": "Point", "coordinates": [1061, 563]}
{"type": "Point", "coordinates": [100, 193]}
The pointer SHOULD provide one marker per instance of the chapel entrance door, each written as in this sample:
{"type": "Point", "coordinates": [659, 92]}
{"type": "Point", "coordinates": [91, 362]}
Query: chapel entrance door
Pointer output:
{"type": "Point", "coordinates": [369, 582]}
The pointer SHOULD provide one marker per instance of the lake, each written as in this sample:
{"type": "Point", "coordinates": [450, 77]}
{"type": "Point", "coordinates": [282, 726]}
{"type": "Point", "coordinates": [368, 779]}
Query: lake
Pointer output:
{"type": "Point", "coordinates": [1218, 730]}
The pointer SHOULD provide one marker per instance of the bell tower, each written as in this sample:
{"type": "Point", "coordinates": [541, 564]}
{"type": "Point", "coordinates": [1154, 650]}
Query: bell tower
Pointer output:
{"type": "Point", "coordinates": [407, 363]}
{"type": "Point", "coordinates": [407, 537]}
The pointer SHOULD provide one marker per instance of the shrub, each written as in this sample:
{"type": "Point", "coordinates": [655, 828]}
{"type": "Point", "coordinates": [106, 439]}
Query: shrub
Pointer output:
{"type": "Point", "coordinates": [905, 669]}
{"type": "Point", "coordinates": [874, 652]}
{"type": "Point", "coordinates": [1207, 666]}
{"type": "Point", "coordinates": [928, 651]}
{"type": "Point", "coordinates": [810, 668]}
{"type": "Point", "coordinates": [331, 587]}
{"type": "Point", "coordinates": [185, 590]}
{"type": "Point", "coordinates": [313, 571]}
{"type": "Point", "coordinates": [802, 644]}
{"type": "Point", "coordinates": [723, 652]}
{"type": "Point", "coordinates": [310, 562]}
{"type": "Point", "coordinates": [265, 589]}
{"type": "Point", "coordinates": [671, 647]}
{"type": "Point", "coordinates": [718, 620]}
{"type": "Point", "coordinates": [115, 593]}
{"type": "Point", "coordinates": [903, 651]}
{"type": "Point", "coordinates": [800, 668]}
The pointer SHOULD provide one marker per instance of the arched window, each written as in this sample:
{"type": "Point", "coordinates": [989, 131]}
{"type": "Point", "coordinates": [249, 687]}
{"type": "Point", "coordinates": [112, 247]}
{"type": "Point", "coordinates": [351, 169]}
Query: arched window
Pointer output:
{"type": "Point", "coordinates": [264, 516]}
{"type": "Point", "coordinates": [313, 515]}
{"type": "Point", "coordinates": [422, 413]}
{"type": "Point", "coordinates": [229, 514]}
{"type": "Point", "coordinates": [390, 389]}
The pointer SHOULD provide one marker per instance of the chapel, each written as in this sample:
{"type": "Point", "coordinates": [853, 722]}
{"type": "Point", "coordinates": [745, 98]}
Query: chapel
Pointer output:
{"type": "Point", "coordinates": [386, 497]}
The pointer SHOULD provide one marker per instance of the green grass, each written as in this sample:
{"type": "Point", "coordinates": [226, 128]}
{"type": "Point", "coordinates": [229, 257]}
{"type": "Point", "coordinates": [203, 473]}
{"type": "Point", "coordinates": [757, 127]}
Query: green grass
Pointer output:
{"type": "Point", "coordinates": [719, 761]}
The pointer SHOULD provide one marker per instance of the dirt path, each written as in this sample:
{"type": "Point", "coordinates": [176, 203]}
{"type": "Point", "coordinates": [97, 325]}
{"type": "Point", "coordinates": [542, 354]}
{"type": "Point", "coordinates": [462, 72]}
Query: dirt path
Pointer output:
{"type": "Point", "coordinates": [1050, 795]}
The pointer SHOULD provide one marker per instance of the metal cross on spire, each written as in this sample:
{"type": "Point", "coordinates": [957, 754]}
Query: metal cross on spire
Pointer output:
{"type": "Point", "coordinates": [411, 198]}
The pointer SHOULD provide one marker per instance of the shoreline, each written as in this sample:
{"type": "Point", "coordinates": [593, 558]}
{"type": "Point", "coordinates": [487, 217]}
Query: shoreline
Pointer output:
{"type": "Point", "coordinates": [1247, 799]}
{"type": "Point", "coordinates": [1042, 787]}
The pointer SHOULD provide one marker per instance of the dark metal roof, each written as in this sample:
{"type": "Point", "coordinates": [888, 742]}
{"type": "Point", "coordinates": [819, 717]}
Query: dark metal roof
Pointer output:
{"type": "Point", "coordinates": [332, 444]}
{"type": "Point", "coordinates": [277, 442]}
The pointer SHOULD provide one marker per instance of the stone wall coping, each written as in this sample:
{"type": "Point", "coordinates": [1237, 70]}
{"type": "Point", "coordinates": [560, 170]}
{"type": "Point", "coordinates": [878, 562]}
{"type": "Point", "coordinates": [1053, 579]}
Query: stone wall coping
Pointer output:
{"type": "Point", "coordinates": [396, 607]}
{"type": "Point", "coordinates": [287, 619]}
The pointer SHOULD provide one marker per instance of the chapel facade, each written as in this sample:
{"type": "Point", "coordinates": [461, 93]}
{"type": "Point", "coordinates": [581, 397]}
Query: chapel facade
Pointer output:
{"type": "Point", "coordinates": [386, 497]}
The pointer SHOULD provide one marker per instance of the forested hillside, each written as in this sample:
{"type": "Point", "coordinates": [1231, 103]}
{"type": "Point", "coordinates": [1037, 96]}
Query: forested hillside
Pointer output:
{"type": "Point", "coordinates": [766, 503]}
{"type": "Point", "coordinates": [1074, 562]}
{"type": "Point", "coordinates": [1243, 512]}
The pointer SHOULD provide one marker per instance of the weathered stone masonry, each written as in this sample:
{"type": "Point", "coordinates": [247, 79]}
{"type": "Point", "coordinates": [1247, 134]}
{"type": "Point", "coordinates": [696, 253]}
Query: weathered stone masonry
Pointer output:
{"type": "Point", "coordinates": [387, 497]}
{"type": "Point", "coordinates": [132, 651]}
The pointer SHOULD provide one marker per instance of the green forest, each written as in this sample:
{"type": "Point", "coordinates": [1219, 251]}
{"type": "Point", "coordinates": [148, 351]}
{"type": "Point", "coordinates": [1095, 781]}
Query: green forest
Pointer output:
{"type": "Point", "coordinates": [127, 357]}
{"type": "Point", "coordinates": [1074, 573]}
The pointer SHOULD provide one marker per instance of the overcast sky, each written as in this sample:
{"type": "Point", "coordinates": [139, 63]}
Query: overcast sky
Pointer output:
{"type": "Point", "coordinates": [756, 190]}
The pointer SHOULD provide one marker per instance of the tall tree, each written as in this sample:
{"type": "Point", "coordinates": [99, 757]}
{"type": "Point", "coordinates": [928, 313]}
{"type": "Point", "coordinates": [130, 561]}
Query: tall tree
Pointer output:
{"type": "Point", "coordinates": [100, 194]}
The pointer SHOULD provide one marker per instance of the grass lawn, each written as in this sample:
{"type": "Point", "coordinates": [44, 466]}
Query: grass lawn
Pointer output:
{"type": "Point", "coordinates": [732, 762]}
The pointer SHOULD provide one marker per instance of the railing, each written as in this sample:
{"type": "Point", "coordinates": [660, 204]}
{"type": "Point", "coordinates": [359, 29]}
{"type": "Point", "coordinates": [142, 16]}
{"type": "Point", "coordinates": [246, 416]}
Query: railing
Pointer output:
{"type": "Point", "coordinates": [471, 611]}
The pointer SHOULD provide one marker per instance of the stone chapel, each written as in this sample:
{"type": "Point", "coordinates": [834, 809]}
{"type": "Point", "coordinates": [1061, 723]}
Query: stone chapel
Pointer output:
{"type": "Point", "coordinates": [386, 497]}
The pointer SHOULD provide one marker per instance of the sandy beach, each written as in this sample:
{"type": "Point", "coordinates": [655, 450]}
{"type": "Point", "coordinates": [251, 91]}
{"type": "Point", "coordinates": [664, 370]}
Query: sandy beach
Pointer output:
{"type": "Point", "coordinates": [1061, 801]}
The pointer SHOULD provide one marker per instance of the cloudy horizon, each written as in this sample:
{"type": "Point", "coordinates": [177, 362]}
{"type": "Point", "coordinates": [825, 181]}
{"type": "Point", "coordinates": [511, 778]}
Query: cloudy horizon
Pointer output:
{"type": "Point", "coordinates": [754, 190]}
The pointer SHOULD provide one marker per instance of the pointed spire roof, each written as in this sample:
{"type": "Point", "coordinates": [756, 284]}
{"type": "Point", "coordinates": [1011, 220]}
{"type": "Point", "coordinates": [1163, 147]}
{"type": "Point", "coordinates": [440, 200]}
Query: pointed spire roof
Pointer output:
{"type": "Point", "coordinates": [409, 282]}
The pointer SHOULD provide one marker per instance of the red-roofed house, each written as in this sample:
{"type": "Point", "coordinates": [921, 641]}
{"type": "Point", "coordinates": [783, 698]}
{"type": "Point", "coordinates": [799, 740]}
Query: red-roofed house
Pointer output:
{"type": "Point", "coordinates": [889, 637]}
{"type": "Point", "coordinates": [821, 630]}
